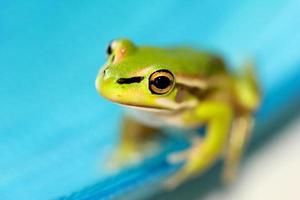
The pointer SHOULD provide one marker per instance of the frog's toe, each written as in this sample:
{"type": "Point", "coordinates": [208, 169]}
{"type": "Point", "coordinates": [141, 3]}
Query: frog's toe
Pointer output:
{"type": "Point", "coordinates": [176, 180]}
{"type": "Point", "coordinates": [125, 156]}
{"type": "Point", "coordinates": [184, 155]}
{"type": "Point", "coordinates": [178, 157]}
{"type": "Point", "coordinates": [121, 159]}
{"type": "Point", "coordinates": [195, 163]}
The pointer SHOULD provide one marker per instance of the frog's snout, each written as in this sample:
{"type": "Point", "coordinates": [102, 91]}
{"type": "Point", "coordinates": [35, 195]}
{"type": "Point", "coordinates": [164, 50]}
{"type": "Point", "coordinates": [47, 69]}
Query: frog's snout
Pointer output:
{"type": "Point", "coordinates": [105, 82]}
{"type": "Point", "coordinates": [102, 73]}
{"type": "Point", "coordinates": [100, 78]}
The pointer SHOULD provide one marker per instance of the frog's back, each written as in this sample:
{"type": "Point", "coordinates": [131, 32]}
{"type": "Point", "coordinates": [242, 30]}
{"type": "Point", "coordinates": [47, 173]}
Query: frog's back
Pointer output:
{"type": "Point", "coordinates": [186, 60]}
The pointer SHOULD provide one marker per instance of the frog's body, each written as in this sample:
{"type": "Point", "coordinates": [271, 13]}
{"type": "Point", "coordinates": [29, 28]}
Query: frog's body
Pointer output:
{"type": "Point", "coordinates": [184, 88]}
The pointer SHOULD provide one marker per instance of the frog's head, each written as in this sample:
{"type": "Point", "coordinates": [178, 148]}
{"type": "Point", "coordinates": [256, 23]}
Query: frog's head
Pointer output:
{"type": "Point", "coordinates": [137, 77]}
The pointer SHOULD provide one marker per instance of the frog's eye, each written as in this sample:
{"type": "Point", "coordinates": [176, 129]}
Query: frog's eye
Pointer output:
{"type": "Point", "coordinates": [161, 82]}
{"type": "Point", "coordinates": [109, 49]}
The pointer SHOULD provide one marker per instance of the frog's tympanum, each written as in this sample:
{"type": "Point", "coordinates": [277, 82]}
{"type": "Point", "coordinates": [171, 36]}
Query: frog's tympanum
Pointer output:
{"type": "Point", "coordinates": [184, 88]}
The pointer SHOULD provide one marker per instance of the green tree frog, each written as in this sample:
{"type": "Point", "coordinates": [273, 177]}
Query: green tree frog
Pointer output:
{"type": "Point", "coordinates": [185, 88]}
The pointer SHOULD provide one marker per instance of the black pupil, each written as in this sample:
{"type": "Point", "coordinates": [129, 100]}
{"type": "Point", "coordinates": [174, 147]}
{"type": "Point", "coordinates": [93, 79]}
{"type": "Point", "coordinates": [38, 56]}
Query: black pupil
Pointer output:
{"type": "Point", "coordinates": [162, 82]}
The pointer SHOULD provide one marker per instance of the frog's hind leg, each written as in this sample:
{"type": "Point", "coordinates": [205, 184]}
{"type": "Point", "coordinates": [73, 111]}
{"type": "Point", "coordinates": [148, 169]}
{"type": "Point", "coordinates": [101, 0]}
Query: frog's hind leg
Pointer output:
{"type": "Point", "coordinates": [248, 97]}
{"type": "Point", "coordinates": [246, 89]}
{"type": "Point", "coordinates": [239, 136]}
{"type": "Point", "coordinates": [135, 143]}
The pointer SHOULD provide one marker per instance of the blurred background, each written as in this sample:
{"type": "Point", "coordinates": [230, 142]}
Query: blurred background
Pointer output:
{"type": "Point", "coordinates": [56, 132]}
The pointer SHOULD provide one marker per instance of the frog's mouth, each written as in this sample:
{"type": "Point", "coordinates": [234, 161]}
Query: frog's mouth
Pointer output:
{"type": "Point", "coordinates": [146, 107]}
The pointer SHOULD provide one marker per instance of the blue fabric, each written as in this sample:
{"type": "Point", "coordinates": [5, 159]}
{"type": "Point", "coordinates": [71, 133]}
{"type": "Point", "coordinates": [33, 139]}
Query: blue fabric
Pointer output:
{"type": "Point", "coordinates": [56, 132]}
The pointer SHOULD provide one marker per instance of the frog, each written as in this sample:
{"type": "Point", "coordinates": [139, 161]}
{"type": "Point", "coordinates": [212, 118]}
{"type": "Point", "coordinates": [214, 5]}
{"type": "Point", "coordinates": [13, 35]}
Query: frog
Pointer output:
{"type": "Point", "coordinates": [185, 88]}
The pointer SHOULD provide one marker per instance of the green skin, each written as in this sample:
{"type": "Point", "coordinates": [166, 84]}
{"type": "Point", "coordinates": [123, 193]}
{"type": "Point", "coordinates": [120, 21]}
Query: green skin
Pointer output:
{"type": "Point", "coordinates": [201, 92]}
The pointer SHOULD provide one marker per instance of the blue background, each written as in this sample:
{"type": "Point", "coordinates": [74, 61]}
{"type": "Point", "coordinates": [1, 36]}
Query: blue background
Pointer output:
{"type": "Point", "coordinates": [55, 131]}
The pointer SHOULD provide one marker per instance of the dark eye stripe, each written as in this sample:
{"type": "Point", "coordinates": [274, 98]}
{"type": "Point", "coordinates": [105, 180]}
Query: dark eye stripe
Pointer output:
{"type": "Point", "coordinates": [136, 79]}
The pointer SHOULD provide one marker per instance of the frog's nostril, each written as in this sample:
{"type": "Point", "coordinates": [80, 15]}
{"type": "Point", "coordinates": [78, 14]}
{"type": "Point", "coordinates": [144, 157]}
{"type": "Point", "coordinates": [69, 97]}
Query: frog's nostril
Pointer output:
{"type": "Point", "coordinates": [105, 73]}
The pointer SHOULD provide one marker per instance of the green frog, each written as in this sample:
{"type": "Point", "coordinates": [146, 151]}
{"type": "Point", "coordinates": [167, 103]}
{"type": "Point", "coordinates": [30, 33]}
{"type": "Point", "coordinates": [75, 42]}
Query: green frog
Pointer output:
{"type": "Point", "coordinates": [184, 88]}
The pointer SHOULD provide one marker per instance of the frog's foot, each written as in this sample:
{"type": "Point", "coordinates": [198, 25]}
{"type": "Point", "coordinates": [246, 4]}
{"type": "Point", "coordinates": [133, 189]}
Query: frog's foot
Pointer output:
{"type": "Point", "coordinates": [177, 179]}
{"type": "Point", "coordinates": [181, 156]}
{"type": "Point", "coordinates": [125, 156]}
{"type": "Point", "coordinates": [121, 158]}
{"type": "Point", "coordinates": [190, 156]}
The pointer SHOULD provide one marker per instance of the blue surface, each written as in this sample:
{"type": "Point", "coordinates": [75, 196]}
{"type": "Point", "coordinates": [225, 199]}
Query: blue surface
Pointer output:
{"type": "Point", "coordinates": [55, 131]}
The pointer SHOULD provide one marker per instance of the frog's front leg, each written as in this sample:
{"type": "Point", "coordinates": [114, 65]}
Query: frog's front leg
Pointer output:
{"type": "Point", "coordinates": [218, 117]}
{"type": "Point", "coordinates": [135, 140]}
